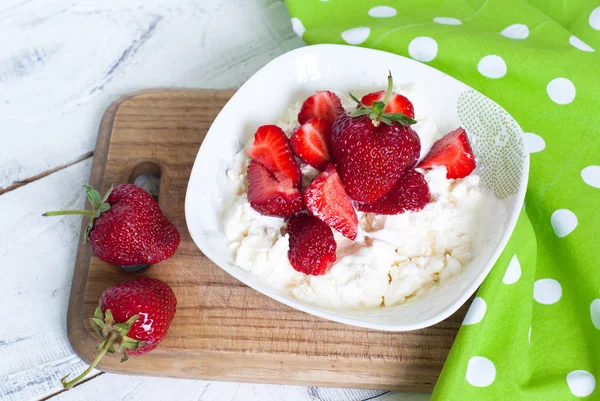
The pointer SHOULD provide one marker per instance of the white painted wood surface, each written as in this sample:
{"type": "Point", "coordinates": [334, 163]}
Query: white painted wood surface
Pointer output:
{"type": "Point", "coordinates": [61, 64]}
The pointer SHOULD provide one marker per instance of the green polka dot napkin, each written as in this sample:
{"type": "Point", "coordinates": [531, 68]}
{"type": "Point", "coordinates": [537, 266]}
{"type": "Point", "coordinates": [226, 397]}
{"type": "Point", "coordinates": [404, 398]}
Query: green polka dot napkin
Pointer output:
{"type": "Point", "coordinates": [533, 332]}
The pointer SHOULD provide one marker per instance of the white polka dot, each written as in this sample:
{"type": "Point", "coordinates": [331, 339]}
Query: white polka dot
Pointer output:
{"type": "Point", "coordinates": [581, 383]}
{"type": "Point", "coordinates": [547, 291]}
{"type": "Point", "coordinates": [423, 48]}
{"type": "Point", "coordinates": [595, 19]}
{"type": "Point", "coordinates": [591, 176]}
{"type": "Point", "coordinates": [561, 90]}
{"type": "Point", "coordinates": [529, 336]}
{"type": "Point", "coordinates": [298, 27]}
{"type": "Point", "coordinates": [492, 66]}
{"type": "Point", "coordinates": [595, 313]}
{"type": "Point", "coordinates": [481, 372]}
{"type": "Point", "coordinates": [580, 44]}
{"type": "Point", "coordinates": [447, 21]}
{"type": "Point", "coordinates": [476, 311]}
{"type": "Point", "coordinates": [533, 142]}
{"type": "Point", "coordinates": [356, 36]}
{"type": "Point", "coordinates": [513, 271]}
{"type": "Point", "coordinates": [382, 12]}
{"type": "Point", "coordinates": [563, 222]}
{"type": "Point", "coordinates": [516, 31]}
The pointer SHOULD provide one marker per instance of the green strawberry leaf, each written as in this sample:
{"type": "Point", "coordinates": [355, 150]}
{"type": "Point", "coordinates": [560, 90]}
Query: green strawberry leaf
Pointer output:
{"type": "Point", "coordinates": [378, 107]}
{"type": "Point", "coordinates": [385, 120]}
{"type": "Point", "coordinates": [95, 327]}
{"type": "Point", "coordinates": [107, 194]}
{"type": "Point", "coordinates": [399, 117]}
{"type": "Point", "coordinates": [93, 196]}
{"type": "Point", "coordinates": [359, 112]}
{"type": "Point", "coordinates": [356, 99]}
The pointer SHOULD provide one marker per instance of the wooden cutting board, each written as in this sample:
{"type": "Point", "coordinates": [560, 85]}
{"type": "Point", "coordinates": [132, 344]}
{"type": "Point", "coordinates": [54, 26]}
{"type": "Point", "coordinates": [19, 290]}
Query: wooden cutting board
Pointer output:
{"type": "Point", "coordinates": [224, 330]}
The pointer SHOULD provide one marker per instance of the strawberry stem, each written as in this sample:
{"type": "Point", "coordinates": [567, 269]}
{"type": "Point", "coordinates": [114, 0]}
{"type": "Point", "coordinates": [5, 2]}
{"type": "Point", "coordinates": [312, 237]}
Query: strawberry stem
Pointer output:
{"type": "Point", "coordinates": [107, 345]}
{"type": "Point", "coordinates": [376, 111]}
{"type": "Point", "coordinates": [114, 338]}
{"type": "Point", "coordinates": [61, 212]}
{"type": "Point", "coordinates": [99, 206]}
{"type": "Point", "coordinates": [388, 92]}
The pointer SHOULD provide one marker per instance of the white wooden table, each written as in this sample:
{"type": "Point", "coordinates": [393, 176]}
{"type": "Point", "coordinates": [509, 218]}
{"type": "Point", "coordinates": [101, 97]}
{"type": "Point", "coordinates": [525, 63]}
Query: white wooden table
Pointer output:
{"type": "Point", "coordinates": [62, 63]}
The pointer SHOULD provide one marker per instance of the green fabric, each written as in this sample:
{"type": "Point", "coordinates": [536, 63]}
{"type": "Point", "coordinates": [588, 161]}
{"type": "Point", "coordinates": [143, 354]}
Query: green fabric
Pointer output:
{"type": "Point", "coordinates": [563, 138]}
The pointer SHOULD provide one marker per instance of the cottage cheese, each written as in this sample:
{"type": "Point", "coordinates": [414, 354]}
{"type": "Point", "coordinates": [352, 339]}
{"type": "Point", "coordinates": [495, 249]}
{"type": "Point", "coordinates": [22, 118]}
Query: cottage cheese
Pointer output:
{"type": "Point", "coordinates": [395, 257]}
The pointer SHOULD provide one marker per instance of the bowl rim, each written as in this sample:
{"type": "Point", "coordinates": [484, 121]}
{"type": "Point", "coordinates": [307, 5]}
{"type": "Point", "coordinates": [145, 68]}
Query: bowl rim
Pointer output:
{"type": "Point", "coordinates": [332, 314]}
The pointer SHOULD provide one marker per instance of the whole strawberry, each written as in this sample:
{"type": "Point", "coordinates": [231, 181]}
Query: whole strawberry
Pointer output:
{"type": "Point", "coordinates": [132, 318]}
{"type": "Point", "coordinates": [127, 227]}
{"type": "Point", "coordinates": [372, 149]}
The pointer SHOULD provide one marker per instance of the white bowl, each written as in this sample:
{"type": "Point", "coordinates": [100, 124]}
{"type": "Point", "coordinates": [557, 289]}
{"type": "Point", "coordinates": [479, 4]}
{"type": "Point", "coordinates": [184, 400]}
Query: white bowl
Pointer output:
{"type": "Point", "coordinates": [497, 142]}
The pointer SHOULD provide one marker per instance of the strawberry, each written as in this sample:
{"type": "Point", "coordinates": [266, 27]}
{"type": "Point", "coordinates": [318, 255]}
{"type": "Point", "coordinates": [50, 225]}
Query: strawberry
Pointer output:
{"type": "Point", "coordinates": [326, 199]}
{"type": "Point", "coordinates": [127, 227]}
{"type": "Point", "coordinates": [452, 151]}
{"type": "Point", "coordinates": [371, 159]}
{"type": "Point", "coordinates": [325, 105]}
{"type": "Point", "coordinates": [410, 194]}
{"type": "Point", "coordinates": [312, 247]}
{"type": "Point", "coordinates": [396, 104]}
{"type": "Point", "coordinates": [132, 318]}
{"type": "Point", "coordinates": [311, 143]}
{"type": "Point", "coordinates": [372, 149]}
{"type": "Point", "coordinates": [272, 195]}
{"type": "Point", "coordinates": [271, 148]}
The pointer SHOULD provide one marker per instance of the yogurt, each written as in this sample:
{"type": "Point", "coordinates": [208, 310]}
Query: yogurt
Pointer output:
{"type": "Point", "coordinates": [395, 257]}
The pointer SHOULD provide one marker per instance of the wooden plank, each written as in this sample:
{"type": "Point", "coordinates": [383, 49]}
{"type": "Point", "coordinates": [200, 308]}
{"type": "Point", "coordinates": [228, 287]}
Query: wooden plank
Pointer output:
{"type": "Point", "coordinates": [116, 387]}
{"type": "Point", "coordinates": [224, 330]}
{"type": "Point", "coordinates": [62, 63]}
{"type": "Point", "coordinates": [37, 255]}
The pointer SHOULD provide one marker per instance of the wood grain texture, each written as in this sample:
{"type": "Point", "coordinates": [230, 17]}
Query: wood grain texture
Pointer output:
{"type": "Point", "coordinates": [224, 330]}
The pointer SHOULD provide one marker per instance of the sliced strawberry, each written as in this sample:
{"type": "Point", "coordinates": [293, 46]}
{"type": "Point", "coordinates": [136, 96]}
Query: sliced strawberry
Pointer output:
{"type": "Point", "coordinates": [271, 148]}
{"type": "Point", "coordinates": [272, 195]}
{"type": "Point", "coordinates": [396, 104]}
{"type": "Point", "coordinates": [311, 143]}
{"type": "Point", "coordinates": [326, 199]}
{"type": "Point", "coordinates": [410, 194]}
{"type": "Point", "coordinates": [452, 151]}
{"type": "Point", "coordinates": [324, 105]}
{"type": "Point", "coordinates": [312, 247]}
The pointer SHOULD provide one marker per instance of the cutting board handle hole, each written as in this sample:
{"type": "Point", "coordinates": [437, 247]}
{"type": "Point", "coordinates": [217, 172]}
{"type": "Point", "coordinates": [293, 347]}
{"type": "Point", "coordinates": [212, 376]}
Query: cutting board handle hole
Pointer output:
{"type": "Point", "coordinates": [147, 175]}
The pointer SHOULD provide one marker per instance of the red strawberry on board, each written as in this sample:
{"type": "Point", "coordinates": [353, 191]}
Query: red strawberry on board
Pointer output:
{"type": "Point", "coordinates": [452, 151]}
{"type": "Point", "coordinates": [311, 143]}
{"type": "Point", "coordinates": [312, 247]}
{"type": "Point", "coordinates": [132, 319]}
{"type": "Point", "coordinates": [396, 104]}
{"type": "Point", "coordinates": [271, 148]}
{"type": "Point", "coordinates": [372, 149]}
{"type": "Point", "coordinates": [272, 195]}
{"type": "Point", "coordinates": [127, 227]}
{"type": "Point", "coordinates": [326, 199]}
{"type": "Point", "coordinates": [410, 194]}
{"type": "Point", "coordinates": [325, 105]}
